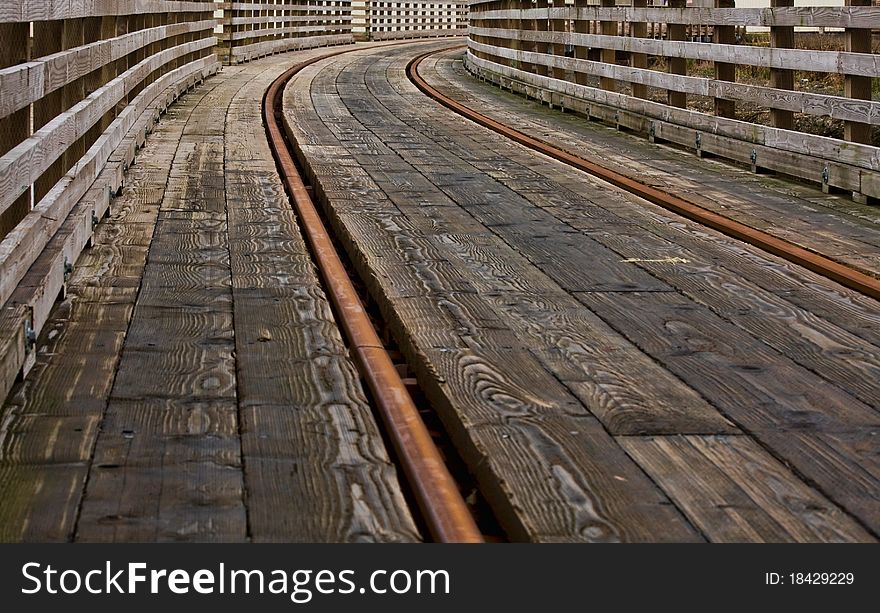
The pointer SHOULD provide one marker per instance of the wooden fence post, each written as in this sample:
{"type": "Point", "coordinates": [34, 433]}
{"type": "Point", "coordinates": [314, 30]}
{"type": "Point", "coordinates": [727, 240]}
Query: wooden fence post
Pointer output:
{"type": "Point", "coordinates": [639, 29]}
{"type": "Point", "coordinates": [14, 127]}
{"type": "Point", "coordinates": [558, 26]}
{"type": "Point", "coordinates": [725, 35]}
{"type": "Point", "coordinates": [858, 40]}
{"type": "Point", "coordinates": [541, 25]}
{"type": "Point", "coordinates": [582, 26]}
{"type": "Point", "coordinates": [676, 65]}
{"type": "Point", "coordinates": [608, 56]}
{"type": "Point", "coordinates": [781, 37]}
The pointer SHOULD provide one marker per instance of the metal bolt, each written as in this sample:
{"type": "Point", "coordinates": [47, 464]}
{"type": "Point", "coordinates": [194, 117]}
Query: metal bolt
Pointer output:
{"type": "Point", "coordinates": [699, 140]}
{"type": "Point", "coordinates": [94, 219]}
{"type": "Point", "coordinates": [68, 267]}
{"type": "Point", "coordinates": [825, 175]}
{"type": "Point", "coordinates": [754, 156]}
{"type": "Point", "coordinates": [652, 131]}
{"type": "Point", "coordinates": [30, 336]}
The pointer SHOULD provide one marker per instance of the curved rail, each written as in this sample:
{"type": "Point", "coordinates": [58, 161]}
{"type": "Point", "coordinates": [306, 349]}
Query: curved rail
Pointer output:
{"type": "Point", "coordinates": [811, 260]}
{"type": "Point", "coordinates": [442, 506]}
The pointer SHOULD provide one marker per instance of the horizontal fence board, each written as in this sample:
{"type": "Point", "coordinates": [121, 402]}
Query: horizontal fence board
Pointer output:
{"type": "Point", "coordinates": [850, 159]}
{"type": "Point", "coordinates": [24, 164]}
{"type": "Point", "coordinates": [12, 11]}
{"type": "Point", "coordinates": [255, 50]}
{"type": "Point", "coordinates": [864, 64]}
{"type": "Point", "coordinates": [662, 65]}
{"type": "Point", "coordinates": [25, 83]}
{"type": "Point", "coordinates": [798, 101]}
{"type": "Point", "coordinates": [806, 16]}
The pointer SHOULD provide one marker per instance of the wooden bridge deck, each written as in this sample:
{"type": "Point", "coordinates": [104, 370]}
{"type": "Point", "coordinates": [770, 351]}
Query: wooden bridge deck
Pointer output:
{"type": "Point", "coordinates": [193, 385]}
{"type": "Point", "coordinates": [608, 371]}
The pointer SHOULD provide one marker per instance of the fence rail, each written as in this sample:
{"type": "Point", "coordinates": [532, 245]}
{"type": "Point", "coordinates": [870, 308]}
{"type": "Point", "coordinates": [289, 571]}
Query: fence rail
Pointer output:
{"type": "Point", "coordinates": [80, 84]}
{"type": "Point", "coordinates": [415, 19]}
{"type": "Point", "coordinates": [252, 30]}
{"type": "Point", "coordinates": [688, 75]}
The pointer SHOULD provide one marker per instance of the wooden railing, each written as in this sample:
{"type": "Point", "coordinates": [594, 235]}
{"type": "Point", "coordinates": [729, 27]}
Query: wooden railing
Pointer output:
{"type": "Point", "coordinates": [694, 76]}
{"type": "Point", "coordinates": [80, 85]}
{"type": "Point", "coordinates": [415, 19]}
{"type": "Point", "coordinates": [252, 30]}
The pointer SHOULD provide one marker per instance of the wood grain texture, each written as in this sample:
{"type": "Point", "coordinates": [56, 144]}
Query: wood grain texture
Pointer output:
{"type": "Point", "coordinates": [796, 154]}
{"type": "Point", "coordinates": [813, 220]}
{"type": "Point", "coordinates": [780, 404]}
{"type": "Point", "coordinates": [542, 458]}
{"type": "Point", "coordinates": [827, 16]}
{"type": "Point", "coordinates": [735, 491]}
{"type": "Point", "coordinates": [491, 324]}
{"type": "Point", "coordinates": [54, 415]}
{"type": "Point", "coordinates": [316, 467]}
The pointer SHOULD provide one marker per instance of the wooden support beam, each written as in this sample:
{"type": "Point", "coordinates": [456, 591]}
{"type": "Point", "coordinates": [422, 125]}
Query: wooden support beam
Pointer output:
{"type": "Point", "coordinates": [559, 25]}
{"type": "Point", "coordinates": [541, 25]}
{"type": "Point", "coordinates": [609, 56]}
{"type": "Point", "coordinates": [639, 29]}
{"type": "Point", "coordinates": [781, 37]}
{"type": "Point", "coordinates": [48, 39]}
{"type": "Point", "coordinates": [676, 65]}
{"type": "Point", "coordinates": [858, 40]}
{"type": "Point", "coordinates": [725, 35]}
{"type": "Point", "coordinates": [581, 26]}
{"type": "Point", "coordinates": [14, 127]}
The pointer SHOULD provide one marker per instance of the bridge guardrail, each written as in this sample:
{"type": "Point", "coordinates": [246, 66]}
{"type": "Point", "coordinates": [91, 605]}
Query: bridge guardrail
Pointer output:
{"type": "Point", "coordinates": [645, 68]}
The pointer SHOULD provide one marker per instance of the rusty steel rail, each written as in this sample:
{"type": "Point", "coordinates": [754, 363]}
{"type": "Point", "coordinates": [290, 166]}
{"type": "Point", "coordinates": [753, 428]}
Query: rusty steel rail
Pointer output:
{"type": "Point", "coordinates": [811, 260]}
{"type": "Point", "coordinates": [443, 509]}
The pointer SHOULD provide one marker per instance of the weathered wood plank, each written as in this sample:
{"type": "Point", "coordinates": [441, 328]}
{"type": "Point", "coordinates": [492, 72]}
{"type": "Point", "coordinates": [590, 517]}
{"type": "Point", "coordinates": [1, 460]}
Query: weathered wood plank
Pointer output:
{"type": "Point", "coordinates": [818, 60]}
{"type": "Point", "coordinates": [513, 420]}
{"type": "Point", "coordinates": [21, 247]}
{"type": "Point", "coordinates": [757, 200]}
{"type": "Point", "coordinates": [819, 16]}
{"type": "Point", "coordinates": [53, 416]}
{"type": "Point", "coordinates": [798, 143]}
{"type": "Point", "coordinates": [45, 10]}
{"type": "Point", "coordinates": [809, 423]}
{"type": "Point", "coordinates": [735, 491]}
{"type": "Point", "coordinates": [27, 82]}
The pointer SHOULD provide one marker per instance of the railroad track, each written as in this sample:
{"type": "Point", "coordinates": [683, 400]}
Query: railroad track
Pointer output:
{"type": "Point", "coordinates": [810, 260]}
{"type": "Point", "coordinates": [442, 507]}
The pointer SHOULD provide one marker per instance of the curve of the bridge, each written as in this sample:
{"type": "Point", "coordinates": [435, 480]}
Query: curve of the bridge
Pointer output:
{"type": "Point", "coordinates": [606, 369]}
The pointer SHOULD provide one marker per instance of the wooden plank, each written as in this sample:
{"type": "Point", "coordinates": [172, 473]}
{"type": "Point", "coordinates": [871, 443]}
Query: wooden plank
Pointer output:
{"type": "Point", "coordinates": [735, 491]}
{"type": "Point", "coordinates": [753, 386]}
{"type": "Point", "coordinates": [780, 152]}
{"type": "Point", "coordinates": [55, 412]}
{"type": "Point", "coordinates": [859, 63]}
{"type": "Point", "coordinates": [757, 201]}
{"type": "Point", "coordinates": [528, 447]}
{"type": "Point", "coordinates": [46, 10]}
{"type": "Point", "coordinates": [778, 96]}
{"type": "Point", "coordinates": [27, 82]}
{"type": "Point", "coordinates": [165, 469]}
{"type": "Point", "coordinates": [21, 247]}
{"type": "Point", "coordinates": [795, 332]}
{"type": "Point", "coordinates": [819, 16]}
